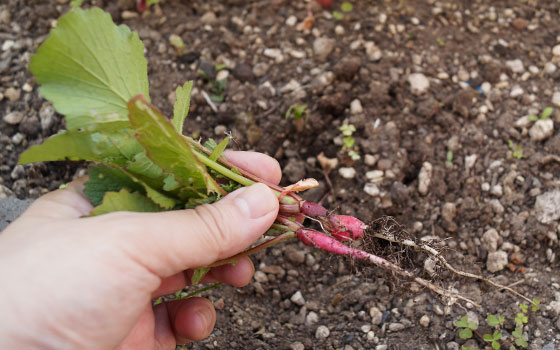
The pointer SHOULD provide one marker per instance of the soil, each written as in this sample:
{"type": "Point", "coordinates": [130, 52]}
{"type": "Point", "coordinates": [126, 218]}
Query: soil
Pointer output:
{"type": "Point", "coordinates": [454, 160]}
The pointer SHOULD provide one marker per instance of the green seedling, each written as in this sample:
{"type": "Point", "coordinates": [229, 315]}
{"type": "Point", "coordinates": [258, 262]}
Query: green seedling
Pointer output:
{"type": "Point", "coordinates": [516, 150]}
{"type": "Point", "coordinates": [449, 159]}
{"type": "Point", "coordinates": [545, 114]}
{"type": "Point", "coordinates": [298, 114]}
{"type": "Point", "coordinates": [348, 141]}
{"type": "Point", "coordinates": [177, 43]}
{"type": "Point", "coordinates": [496, 339]}
{"type": "Point", "coordinates": [345, 7]}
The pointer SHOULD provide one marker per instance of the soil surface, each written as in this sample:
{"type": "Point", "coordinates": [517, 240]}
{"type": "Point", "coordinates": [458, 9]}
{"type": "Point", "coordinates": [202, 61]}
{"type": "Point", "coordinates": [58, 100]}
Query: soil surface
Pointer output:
{"type": "Point", "coordinates": [439, 93]}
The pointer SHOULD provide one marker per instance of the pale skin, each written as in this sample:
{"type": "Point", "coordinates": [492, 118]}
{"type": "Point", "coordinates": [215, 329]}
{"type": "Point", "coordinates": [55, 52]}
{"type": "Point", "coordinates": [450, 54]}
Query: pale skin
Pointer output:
{"type": "Point", "coordinates": [70, 282]}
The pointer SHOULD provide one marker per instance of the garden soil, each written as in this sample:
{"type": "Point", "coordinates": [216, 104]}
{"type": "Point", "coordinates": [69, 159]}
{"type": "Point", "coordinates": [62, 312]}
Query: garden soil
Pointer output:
{"type": "Point", "coordinates": [446, 98]}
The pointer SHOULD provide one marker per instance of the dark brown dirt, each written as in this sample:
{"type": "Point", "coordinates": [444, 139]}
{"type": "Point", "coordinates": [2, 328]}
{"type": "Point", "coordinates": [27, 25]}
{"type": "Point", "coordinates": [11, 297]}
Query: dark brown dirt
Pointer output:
{"type": "Point", "coordinates": [466, 132]}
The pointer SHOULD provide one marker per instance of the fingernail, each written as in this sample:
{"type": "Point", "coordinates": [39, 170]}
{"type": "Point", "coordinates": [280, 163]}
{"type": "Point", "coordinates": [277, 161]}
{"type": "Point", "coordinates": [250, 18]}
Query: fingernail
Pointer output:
{"type": "Point", "coordinates": [207, 318]}
{"type": "Point", "coordinates": [256, 201]}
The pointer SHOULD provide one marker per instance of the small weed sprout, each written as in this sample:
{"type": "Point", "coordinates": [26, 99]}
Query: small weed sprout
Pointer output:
{"type": "Point", "coordinates": [298, 114]}
{"type": "Point", "coordinates": [217, 87]}
{"type": "Point", "coordinates": [177, 43]}
{"type": "Point", "coordinates": [516, 150]}
{"type": "Point", "coordinates": [344, 8]}
{"type": "Point", "coordinates": [545, 114]}
{"type": "Point", "coordinates": [449, 159]}
{"type": "Point", "coordinates": [496, 340]}
{"type": "Point", "coordinates": [348, 141]}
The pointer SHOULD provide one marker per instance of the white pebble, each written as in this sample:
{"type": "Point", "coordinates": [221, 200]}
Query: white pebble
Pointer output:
{"type": "Point", "coordinates": [425, 178]}
{"type": "Point", "coordinates": [356, 107]}
{"type": "Point", "coordinates": [322, 332]}
{"type": "Point", "coordinates": [298, 299]}
{"type": "Point", "coordinates": [291, 21]}
{"type": "Point", "coordinates": [556, 50]}
{"type": "Point", "coordinates": [371, 189]}
{"type": "Point", "coordinates": [347, 172]}
{"type": "Point", "coordinates": [556, 98]}
{"type": "Point", "coordinates": [541, 130]}
{"type": "Point", "coordinates": [424, 321]}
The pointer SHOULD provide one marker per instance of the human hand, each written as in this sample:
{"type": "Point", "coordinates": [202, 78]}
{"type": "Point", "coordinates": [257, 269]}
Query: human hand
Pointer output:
{"type": "Point", "coordinates": [87, 283]}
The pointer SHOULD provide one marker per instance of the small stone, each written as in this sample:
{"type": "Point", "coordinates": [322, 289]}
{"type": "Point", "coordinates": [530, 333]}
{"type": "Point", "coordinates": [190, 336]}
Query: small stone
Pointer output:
{"type": "Point", "coordinates": [260, 69]}
{"type": "Point", "coordinates": [549, 68]}
{"type": "Point", "coordinates": [296, 256]}
{"type": "Point", "coordinates": [373, 52]}
{"type": "Point", "coordinates": [496, 206]}
{"type": "Point", "coordinates": [46, 116]}
{"type": "Point", "coordinates": [376, 316]}
{"type": "Point", "coordinates": [520, 23]}
{"type": "Point", "coordinates": [556, 98]}
{"type": "Point", "coordinates": [424, 321]}
{"type": "Point", "coordinates": [17, 172]}
{"type": "Point", "coordinates": [523, 122]}
{"type": "Point", "coordinates": [347, 68]}
{"type": "Point", "coordinates": [395, 327]}
{"type": "Point", "coordinates": [13, 118]}
{"type": "Point", "coordinates": [243, 72]}
{"type": "Point", "coordinates": [366, 328]}
{"type": "Point", "coordinates": [448, 211]}
{"type": "Point", "coordinates": [219, 304]}
{"type": "Point", "coordinates": [208, 18]}
{"type": "Point", "coordinates": [419, 84]}
{"type": "Point", "coordinates": [356, 107]}
{"type": "Point", "coordinates": [549, 346]}
{"type": "Point", "coordinates": [222, 75]}
{"type": "Point", "coordinates": [425, 178]}
{"type": "Point", "coordinates": [516, 66]}
{"type": "Point", "coordinates": [274, 53]}
{"type": "Point", "coordinates": [291, 21]}
{"type": "Point", "coordinates": [547, 207]}
{"type": "Point", "coordinates": [297, 346]}
{"type": "Point", "coordinates": [17, 138]}
{"type": "Point", "coordinates": [452, 346]}
{"type": "Point", "coordinates": [370, 159]}
{"type": "Point", "coordinates": [370, 335]}
{"type": "Point", "coordinates": [5, 192]}
{"type": "Point", "coordinates": [27, 87]}
{"type": "Point", "coordinates": [541, 130]}
{"type": "Point", "coordinates": [490, 240]}
{"type": "Point", "coordinates": [298, 299]}
{"type": "Point", "coordinates": [347, 172]}
{"type": "Point", "coordinates": [322, 47]}
{"type": "Point", "coordinates": [311, 319]}
{"type": "Point", "coordinates": [381, 347]}
{"type": "Point", "coordinates": [12, 94]}
{"type": "Point", "coordinates": [220, 130]}
{"type": "Point", "coordinates": [339, 30]}
{"type": "Point", "coordinates": [375, 176]}
{"type": "Point", "coordinates": [322, 332]}
{"type": "Point", "coordinates": [371, 189]}
{"type": "Point", "coordinates": [497, 190]}
{"type": "Point", "coordinates": [556, 50]}
{"type": "Point", "coordinates": [496, 261]}
{"type": "Point", "coordinates": [260, 277]}
{"type": "Point", "coordinates": [129, 14]}
{"type": "Point", "coordinates": [516, 91]}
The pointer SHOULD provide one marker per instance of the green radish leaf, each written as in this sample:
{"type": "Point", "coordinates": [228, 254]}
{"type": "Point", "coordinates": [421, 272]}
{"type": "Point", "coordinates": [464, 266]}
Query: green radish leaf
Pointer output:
{"type": "Point", "coordinates": [168, 149]}
{"type": "Point", "coordinates": [170, 184]}
{"type": "Point", "coordinates": [218, 150]}
{"type": "Point", "coordinates": [103, 179]}
{"type": "Point", "coordinates": [89, 68]}
{"type": "Point", "coordinates": [487, 337]}
{"type": "Point", "coordinates": [198, 275]}
{"type": "Point", "coordinates": [125, 201]}
{"type": "Point", "coordinates": [472, 325]}
{"type": "Point", "coordinates": [495, 345]}
{"type": "Point", "coordinates": [156, 196]}
{"type": "Point", "coordinates": [76, 145]}
{"type": "Point", "coordinates": [517, 333]}
{"type": "Point", "coordinates": [181, 106]}
{"type": "Point", "coordinates": [338, 15]}
{"type": "Point", "coordinates": [465, 333]}
{"type": "Point", "coordinates": [144, 166]}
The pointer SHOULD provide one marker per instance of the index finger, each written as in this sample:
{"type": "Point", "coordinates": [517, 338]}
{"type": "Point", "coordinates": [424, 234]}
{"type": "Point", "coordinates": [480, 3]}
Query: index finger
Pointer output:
{"type": "Point", "coordinates": [259, 164]}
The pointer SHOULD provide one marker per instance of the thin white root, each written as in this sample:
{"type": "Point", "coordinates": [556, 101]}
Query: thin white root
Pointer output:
{"type": "Point", "coordinates": [433, 252]}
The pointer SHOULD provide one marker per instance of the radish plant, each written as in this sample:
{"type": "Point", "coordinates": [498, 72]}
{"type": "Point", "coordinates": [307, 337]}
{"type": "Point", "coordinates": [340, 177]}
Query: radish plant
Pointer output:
{"type": "Point", "coordinates": [95, 74]}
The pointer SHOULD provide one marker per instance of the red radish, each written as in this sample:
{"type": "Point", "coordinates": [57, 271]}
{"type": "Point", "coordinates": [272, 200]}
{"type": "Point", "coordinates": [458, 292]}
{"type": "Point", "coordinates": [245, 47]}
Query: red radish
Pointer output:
{"type": "Point", "coordinates": [327, 243]}
{"type": "Point", "coordinates": [325, 3]}
{"type": "Point", "coordinates": [345, 227]}
{"type": "Point", "coordinates": [141, 5]}
{"type": "Point", "coordinates": [312, 209]}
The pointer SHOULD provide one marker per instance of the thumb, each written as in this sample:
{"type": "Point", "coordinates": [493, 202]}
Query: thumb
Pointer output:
{"type": "Point", "coordinates": [169, 242]}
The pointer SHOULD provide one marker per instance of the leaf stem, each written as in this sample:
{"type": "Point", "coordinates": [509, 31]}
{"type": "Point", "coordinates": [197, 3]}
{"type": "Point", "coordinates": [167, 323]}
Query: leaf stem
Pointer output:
{"type": "Point", "coordinates": [278, 239]}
